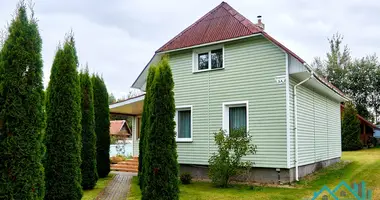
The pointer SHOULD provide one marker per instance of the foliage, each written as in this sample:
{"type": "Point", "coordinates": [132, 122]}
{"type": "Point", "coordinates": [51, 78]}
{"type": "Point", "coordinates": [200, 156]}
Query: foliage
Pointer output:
{"type": "Point", "coordinates": [21, 110]}
{"type": "Point", "coordinates": [185, 178]}
{"type": "Point", "coordinates": [113, 140]}
{"type": "Point", "coordinates": [373, 141]}
{"type": "Point", "coordinates": [357, 78]}
{"type": "Point", "coordinates": [334, 67]}
{"type": "Point", "coordinates": [145, 123]}
{"type": "Point", "coordinates": [227, 161]}
{"type": "Point", "coordinates": [160, 166]}
{"type": "Point", "coordinates": [63, 131]}
{"type": "Point", "coordinates": [350, 129]}
{"type": "Point", "coordinates": [88, 166]}
{"type": "Point", "coordinates": [118, 158]}
{"type": "Point", "coordinates": [111, 99]}
{"type": "Point", "coordinates": [102, 124]}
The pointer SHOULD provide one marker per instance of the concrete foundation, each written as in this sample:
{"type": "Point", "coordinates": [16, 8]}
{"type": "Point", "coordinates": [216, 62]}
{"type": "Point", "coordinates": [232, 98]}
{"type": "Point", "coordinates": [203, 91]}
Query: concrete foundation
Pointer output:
{"type": "Point", "coordinates": [262, 175]}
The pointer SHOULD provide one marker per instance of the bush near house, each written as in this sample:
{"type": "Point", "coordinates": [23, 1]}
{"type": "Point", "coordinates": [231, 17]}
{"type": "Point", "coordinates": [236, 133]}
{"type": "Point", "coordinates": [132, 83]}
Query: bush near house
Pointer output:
{"type": "Point", "coordinates": [102, 124]}
{"type": "Point", "coordinates": [63, 131]}
{"type": "Point", "coordinates": [160, 164]}
{"type": "Point", "coordinates": [350, 129]}
{"type": "Point", "coordinates": [185, 178]}
{"type": "Point", "coordinates": [227, 161]}
{"type": "Point", "coordinates": [21, 110]}
{"type": "Point", "coordinates": [88, 166]}
{"type": "Point", "coordinates": [145, 124]}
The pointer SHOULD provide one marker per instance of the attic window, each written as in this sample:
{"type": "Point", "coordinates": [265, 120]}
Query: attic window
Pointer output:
{"type": "Point", "coordinates": [208, 59]}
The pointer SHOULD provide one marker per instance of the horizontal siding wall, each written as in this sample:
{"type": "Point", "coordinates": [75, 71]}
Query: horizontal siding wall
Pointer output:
{"type": "Point", "coordinates": [319, 134]}
{"type": "Point", "coordinates": [251, 66]}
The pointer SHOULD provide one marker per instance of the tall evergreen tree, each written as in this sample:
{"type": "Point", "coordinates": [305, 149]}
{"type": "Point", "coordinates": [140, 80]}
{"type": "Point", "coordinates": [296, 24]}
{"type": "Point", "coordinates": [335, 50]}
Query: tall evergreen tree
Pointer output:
{"type": "Point", "coordinates": [102, 126]}
{"type": "Point", "coordinates": [63, 131]}
{"type": "Point", "coordinates": [88, 166]}
{"type": "Point", "coordinates": [145, 123]}
{"type": "Point", "coordinates": [350, 129]}
{"type": "Point", "coordinates": [160, 166]}
{"type": "Point", "coordinates": [21, 113]}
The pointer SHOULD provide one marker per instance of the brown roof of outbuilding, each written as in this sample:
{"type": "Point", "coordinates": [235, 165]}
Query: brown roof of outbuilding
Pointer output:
{"type": "Point", "coordinates": [221, 23]}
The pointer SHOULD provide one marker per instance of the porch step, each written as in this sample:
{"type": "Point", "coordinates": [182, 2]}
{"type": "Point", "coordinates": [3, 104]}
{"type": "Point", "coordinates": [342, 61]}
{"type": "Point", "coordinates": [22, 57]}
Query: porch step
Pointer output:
{"type": "Point", "coordinates": [131, 165]}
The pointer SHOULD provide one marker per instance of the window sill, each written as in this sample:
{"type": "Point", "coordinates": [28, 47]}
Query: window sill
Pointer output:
{"type": "Point", "coordinates": [206, 70]}
{"type": "Point", "coordinates": [184, 140]}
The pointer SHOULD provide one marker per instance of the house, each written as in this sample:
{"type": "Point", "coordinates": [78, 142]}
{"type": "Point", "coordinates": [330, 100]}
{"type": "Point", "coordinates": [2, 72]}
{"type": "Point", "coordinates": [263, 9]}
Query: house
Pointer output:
{"type": "Point", "coordinates": [229, 73]}
{"type": "Point", "coordinates": [120, 129]}
{"type": "Point", "coordinates": [367, 129]}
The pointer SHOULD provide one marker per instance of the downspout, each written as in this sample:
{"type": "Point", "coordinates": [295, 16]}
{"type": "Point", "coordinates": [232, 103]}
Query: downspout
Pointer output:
{"type": "Point", "coordinates": [296, 122]}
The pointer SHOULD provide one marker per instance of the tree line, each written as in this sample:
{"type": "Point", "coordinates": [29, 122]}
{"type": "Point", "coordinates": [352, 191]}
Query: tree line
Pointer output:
{"type": "Point", "coordinates": [53, 143]}
{"type": "Point", "coordinates": [358, 78]}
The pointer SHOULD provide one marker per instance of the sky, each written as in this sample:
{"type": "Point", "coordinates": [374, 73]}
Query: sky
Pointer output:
{"type": "Point", "coordinates": [117, 38]}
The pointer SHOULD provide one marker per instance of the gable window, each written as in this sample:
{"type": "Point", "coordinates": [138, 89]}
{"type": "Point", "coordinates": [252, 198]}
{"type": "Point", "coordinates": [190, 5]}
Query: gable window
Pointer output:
{"type": "Point", "coordinates": [208, 59]}
{"type": "Point", "coordinates": [235, 116]}
{"type": "Point", "coordinates": [184, 123]}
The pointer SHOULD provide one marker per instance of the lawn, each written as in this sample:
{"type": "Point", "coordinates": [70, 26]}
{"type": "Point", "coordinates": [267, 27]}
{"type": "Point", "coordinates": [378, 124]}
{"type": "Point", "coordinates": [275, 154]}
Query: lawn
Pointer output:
{"type": "Point", "coordinates": [100, 185]}
{"type": "Point", "coordinates": [364, 165]}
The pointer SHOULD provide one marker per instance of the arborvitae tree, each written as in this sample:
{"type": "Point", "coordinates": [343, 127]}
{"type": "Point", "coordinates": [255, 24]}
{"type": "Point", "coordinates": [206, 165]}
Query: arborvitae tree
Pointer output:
{"type": "Point", "coordinates": [160, 166]}
{"type": "Point", "coordinates": [102, 126]}
{"type": "Point", "coordinates": [145, 123]}
{"type": "Point", "coordinates": [88, 166]}
{"type": "Point", "coordinates": [21, 113]}
{"type": "Point", "coordinates": [350, 129]}
{"type": "Point", "coordinates": [63, 131]}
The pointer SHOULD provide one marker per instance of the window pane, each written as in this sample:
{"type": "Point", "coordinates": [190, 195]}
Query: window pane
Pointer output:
{"type": "Point", "coordinates": [217, 59]}
{"type": "Point", "coordinates": [237, 117]}
{"type": "Point", "coordinates": [184, 124]}
{"type": "Point", "coordinates": [202, 61]}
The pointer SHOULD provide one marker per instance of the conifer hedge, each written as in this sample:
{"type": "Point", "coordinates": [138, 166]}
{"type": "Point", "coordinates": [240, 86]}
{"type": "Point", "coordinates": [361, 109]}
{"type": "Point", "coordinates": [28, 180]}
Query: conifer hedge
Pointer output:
{"type": "Point", "coordinates": [88, 166]}
{"type": "Point", "coordinates": [102, 124]}
{"type": "Point", "coordinates": [63, 131]}
{"type": "Point", "coordinates": [145, 124]}
{"type": "Point", "coordinates": [21, 113]}
{"type": "Point", "coordinates": [160, 166]}
{"type": "Point", "coordinates": [350, 129]}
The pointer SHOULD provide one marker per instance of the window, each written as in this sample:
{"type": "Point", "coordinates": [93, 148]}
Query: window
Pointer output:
{"type": "Point", "coordinates": [235, 116]}
{"type": "Point", "coordinates": [208, 59]}
{"type": "Point", "coordinates": [184, 123]}
{"type": "Point", "coordinates": [138, 127]}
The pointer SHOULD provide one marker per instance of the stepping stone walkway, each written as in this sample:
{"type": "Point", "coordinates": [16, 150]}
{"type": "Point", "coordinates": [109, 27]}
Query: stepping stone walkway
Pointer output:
{"type": "Point", "coordinates": [118, 188]}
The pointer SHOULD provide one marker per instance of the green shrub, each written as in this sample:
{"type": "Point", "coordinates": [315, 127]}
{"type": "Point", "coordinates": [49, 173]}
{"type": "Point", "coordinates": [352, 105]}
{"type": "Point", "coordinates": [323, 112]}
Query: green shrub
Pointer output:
{"type": "Point", "coordinates": [160, 164]}
{"type": "Point", "coordinates": [227, 161]}
{"type": "Point", "coordinates": [63, 131]}
{"type": "Point", "coordinates": [21, 110]}
{"type": "Point", "coordinates": [350, 129]}
{"type": "Point", "coordinates": [145, 124]}
{"type": "Point", "coordinates": [102, 126]}
{"type": "Point", "coordinates": [186, 178]}
{"type": "Point", "coordinates": [88, 166]}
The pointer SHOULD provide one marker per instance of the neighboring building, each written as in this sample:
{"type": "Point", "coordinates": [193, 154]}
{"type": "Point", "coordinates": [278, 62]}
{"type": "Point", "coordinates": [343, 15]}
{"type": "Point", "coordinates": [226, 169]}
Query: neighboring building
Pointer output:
{"type": "Point", "coordinates": [120, 129]}
{"type": "Point", "coordinates": [229, 73]}
{"type": "Point", "coordinates": [367, 129]}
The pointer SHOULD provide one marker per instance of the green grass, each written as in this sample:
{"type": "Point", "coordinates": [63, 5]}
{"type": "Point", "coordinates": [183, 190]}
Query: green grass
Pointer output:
{"type": "Point", "coordinates": [356, 166]}
{"type": "Point", "coordinates": [100, 185]}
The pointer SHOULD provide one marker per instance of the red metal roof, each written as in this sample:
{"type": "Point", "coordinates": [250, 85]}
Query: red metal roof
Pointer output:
{"type": "Point", "coordinates": [362, 119]}
{"type": "Point", "coordinates": [221, 23]}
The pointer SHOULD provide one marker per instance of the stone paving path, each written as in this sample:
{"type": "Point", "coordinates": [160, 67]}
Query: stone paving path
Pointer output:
{"type": "Point", "coordinates": [118, 188]}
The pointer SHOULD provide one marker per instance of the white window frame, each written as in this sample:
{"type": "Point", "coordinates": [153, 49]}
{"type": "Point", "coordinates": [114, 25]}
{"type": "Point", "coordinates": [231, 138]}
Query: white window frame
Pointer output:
{"type": "Point", "coordinates": [182, 108]}
{"type": "Point", "coordinates": [208, 50]}
{"type": "Point", "coordinates": [226, 114]}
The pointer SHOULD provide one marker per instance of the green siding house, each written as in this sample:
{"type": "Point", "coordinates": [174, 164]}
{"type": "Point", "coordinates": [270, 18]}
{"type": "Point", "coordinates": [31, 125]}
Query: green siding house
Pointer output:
{"type": "Point", "coordinates": [229, 73]}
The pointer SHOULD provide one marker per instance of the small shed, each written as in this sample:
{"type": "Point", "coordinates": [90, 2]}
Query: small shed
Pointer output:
{"type": "Point", "coordinates": [120, 129]}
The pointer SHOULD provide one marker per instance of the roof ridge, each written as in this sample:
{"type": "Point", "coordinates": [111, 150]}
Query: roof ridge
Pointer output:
{"type": "Point", "coordinates": [192, 25]}
{"type": "Point", "coordinates": [240, 21]}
